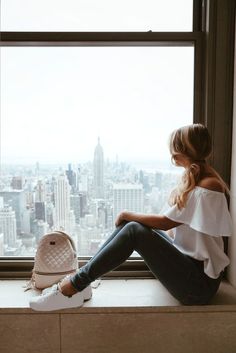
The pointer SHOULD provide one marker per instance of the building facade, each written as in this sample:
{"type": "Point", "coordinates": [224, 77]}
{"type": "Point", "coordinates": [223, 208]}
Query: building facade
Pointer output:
{"type": "Point", "coordinates": [127, 197]}
{"type": "Point", "coordinates": [98, 169]}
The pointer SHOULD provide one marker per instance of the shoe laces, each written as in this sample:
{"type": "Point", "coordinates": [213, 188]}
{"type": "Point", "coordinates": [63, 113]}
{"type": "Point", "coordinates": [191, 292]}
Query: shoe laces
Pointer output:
{"type": "Point", "coordinates": [54, 290]}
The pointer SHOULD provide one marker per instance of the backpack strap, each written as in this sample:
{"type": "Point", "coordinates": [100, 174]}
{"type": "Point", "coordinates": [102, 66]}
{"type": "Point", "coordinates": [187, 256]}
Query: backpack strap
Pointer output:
{"type": "Point", "coordinates": [30, 284]}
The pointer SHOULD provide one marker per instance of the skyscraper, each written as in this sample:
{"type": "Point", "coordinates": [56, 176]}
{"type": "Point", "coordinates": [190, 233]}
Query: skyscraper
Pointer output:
{"type": "Point", "coordinates": [39, 205]}
{"type": "Point", "coordinates": [8, 225]}
{"type": "Point", "coordinates": [71, 175]}
{"type": "Point", "coordinates": [17, 183]}
{"type": "Point", "coordinates": [98, 171]}
{"type": "Point", "coordinates": [40, 192]}
{"type": "Point", "coordinates": [40, 228]}
{"type": "Point", "coordinates": [75, 206]}
{"type": "Point", "coordinates": [40, 211]}
{"type": "Point", "coordinates": [1, 244]}
{"type": "Point", "coordinates": [127, 197]}
{"type": "Point", "coordinates": [15, 199]}
{"type": "Point", "coordinates": [62, 203]}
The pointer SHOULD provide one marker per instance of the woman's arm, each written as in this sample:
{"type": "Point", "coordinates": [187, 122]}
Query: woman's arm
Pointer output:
{"type": "Point", "coordinates": [149, 220]}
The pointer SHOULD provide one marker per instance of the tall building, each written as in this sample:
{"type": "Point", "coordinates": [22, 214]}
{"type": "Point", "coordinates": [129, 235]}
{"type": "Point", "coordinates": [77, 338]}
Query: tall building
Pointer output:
{"type": "Point", "coordinates": [17, 183]}
{"type": "Point", "coordinates": [98, 171]}
{"type": "Point", "coordinates": [40, 204]}
{"type": "Point", "coordinates": [40, 198]}
{"type": "Point", "coordinates": [62, 203]}
{"type": "Point", "coordinates": [8, 225]}
{"type": "Point", "coordinates": [15, 199]}
{"type": "Point", "coordinates": [40, 192]}
{"type": "Point", "coordinates": [1, 202]}
{"type": "Point", "coordinates": [71, 175]}
{"type": "Point", "coordinates": [40, 211]}
{"type": "Point", "coordinates": [40, 228]}
{"type": "Point", "coordinates": [127, 197]}
{"type": "Point", "coordinates": [50, 211]}
{"type": "Point", "coordinates": [83, 203]}
{"type": "Point", "coordinates": [83, 182]}
{"type": "Point", "coordinates": [75, 206]}
{"type": "Point", "coordinates": [26, 221]}
{"type": "Point", "coordinates": [1, 244]}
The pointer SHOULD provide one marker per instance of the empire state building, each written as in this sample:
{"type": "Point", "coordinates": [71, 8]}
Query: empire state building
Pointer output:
{"type": "Point", "coordinates": [98, 171]}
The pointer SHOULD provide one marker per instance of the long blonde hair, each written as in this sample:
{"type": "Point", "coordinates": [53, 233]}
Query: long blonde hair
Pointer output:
{"type": "Point", "coordinates": [193, 143]}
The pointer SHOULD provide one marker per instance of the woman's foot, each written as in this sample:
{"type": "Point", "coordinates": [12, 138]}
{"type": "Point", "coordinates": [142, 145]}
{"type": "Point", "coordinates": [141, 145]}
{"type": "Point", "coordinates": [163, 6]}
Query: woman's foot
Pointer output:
{"type": "Point", "coordinates": [54, 300]}
{"type": "Point", "coordinates": [66, 287]}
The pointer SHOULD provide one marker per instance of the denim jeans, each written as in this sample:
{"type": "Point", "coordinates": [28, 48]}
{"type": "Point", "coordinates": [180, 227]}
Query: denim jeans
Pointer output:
{"type": "Point", "coordinates": [182, 275]}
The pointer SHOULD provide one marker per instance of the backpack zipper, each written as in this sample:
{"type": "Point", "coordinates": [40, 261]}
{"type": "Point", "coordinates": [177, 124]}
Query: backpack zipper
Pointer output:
{"type": "Point", "coordinates": [53, 273]}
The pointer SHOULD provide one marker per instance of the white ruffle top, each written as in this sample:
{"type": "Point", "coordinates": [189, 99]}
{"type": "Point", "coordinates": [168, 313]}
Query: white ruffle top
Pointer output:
{"type": "Point", "coordinates": [205, 219]}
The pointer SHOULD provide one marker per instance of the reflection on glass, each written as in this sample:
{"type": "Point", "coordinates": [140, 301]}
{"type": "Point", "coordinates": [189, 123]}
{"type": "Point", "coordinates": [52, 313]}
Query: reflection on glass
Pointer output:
{"type": "Point", "coordinates": [84, 135]}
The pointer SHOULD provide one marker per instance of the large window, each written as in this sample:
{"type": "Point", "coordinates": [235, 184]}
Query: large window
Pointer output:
{"type": "Point", "coordinates": [86, 116]}
{"type": "Point", "coordinates": [85, 135]}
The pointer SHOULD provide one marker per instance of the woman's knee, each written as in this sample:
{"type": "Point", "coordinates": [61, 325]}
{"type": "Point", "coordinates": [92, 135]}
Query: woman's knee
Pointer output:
{"type": "Point", "coordinates": [136, 228]}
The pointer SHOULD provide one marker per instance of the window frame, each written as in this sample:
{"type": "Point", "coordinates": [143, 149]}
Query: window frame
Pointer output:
{"type": "Point", "coordinates": [207, 74]}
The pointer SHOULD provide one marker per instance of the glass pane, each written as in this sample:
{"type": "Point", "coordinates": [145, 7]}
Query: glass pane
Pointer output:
{"type": "Point", "coordinates": [94, 15]}
{"type": "Point", "coordinates": [84, 134]}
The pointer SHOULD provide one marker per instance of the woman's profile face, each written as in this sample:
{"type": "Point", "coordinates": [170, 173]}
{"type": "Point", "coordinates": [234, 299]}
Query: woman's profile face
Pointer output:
{"type": "Point", "coordinates": [180, 160]}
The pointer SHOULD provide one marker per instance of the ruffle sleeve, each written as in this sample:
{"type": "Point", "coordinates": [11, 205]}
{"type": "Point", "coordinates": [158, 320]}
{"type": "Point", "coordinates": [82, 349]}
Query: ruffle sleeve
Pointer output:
{"type": "Point", "coordinates": [206, 211]}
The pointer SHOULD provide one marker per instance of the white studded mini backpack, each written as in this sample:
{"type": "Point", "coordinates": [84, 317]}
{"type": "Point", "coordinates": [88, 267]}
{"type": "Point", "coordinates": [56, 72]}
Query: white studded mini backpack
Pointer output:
{"type": "Point", "coordinates": [55, 258]}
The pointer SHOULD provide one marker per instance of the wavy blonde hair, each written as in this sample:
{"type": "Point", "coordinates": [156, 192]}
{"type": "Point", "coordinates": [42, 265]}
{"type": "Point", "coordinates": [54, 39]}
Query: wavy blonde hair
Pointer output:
{"type": "Point", "coordinates": [193, 144]}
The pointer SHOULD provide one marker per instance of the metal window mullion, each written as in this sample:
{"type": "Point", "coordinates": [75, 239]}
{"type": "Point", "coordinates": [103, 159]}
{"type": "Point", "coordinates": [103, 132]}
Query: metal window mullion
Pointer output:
{"type": "Point", "coordinates": [96, 39]}
{"type": "Point", "coordinates": [199, 87]}
{"type": "Point", "coordinates": [196, 15]}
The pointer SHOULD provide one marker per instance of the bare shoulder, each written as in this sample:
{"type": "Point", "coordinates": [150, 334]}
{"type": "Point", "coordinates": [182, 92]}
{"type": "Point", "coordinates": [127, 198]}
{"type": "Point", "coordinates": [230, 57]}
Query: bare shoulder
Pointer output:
{"type": "Point", "coordinates": [211, 183]}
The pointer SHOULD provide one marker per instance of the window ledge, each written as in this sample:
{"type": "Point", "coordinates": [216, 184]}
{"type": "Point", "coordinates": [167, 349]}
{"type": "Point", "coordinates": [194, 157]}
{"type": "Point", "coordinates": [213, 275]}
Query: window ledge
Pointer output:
{"type": "Point", "coordinates": [119, 295]}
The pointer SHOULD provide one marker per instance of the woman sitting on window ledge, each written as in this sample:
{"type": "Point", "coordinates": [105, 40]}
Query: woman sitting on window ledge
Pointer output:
{"type": "Point", "coordinates": [190, 265]}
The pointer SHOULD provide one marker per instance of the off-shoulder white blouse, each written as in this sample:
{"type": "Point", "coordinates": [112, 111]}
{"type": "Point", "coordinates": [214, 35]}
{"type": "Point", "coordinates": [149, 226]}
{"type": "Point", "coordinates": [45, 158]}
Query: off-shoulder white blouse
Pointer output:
{"type": "Point", "coordinates": [205, 219]}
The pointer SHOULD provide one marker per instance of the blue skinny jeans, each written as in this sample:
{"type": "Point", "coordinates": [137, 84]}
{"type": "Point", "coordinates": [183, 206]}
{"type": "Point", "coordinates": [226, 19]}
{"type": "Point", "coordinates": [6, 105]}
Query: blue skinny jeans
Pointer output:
{"type": "Point", "coordinates": [182, 275]}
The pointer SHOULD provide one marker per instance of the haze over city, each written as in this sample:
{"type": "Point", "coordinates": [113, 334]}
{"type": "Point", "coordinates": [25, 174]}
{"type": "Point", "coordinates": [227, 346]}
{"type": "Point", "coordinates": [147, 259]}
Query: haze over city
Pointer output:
{"type": "Point", "coordinates": [85, 129]}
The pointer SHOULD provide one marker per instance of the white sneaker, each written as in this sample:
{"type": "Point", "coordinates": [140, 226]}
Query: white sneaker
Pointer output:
{"type": "Point", "coordinates": [49, 289]}
{"type": "Point", "coordinates": [55, 300]}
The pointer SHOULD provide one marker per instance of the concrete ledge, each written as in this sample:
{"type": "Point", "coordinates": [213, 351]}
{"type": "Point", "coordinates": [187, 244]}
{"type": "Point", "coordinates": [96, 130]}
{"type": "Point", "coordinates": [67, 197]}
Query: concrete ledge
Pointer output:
{"type": "Point", "coordinates": [132, 295]}
{"type": "Point", "coordinates": [128, 316]}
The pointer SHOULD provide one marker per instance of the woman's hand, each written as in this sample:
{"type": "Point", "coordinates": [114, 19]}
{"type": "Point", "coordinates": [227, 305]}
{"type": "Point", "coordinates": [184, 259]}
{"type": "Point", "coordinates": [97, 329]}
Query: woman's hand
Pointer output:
{"type": "Point", "coordinates": [124, 216]}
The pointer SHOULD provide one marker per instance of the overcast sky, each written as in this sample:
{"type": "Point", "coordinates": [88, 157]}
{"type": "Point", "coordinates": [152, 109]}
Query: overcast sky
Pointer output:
{"type": "Point", "coordinates": [55, 102]}
{"type": "Point", "coordinates": [95, 15]}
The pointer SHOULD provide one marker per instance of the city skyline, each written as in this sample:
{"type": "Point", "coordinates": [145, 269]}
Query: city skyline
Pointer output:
{"type": "Point", "coordinates": [157, 164]}
{"type": "Point", "coordinates": [83, 201]}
